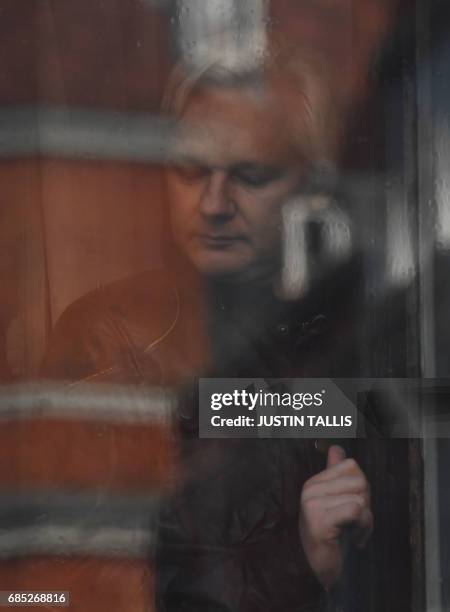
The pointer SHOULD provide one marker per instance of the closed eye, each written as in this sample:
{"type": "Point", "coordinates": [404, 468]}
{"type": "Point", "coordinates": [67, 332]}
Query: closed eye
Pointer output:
{"type": "Point", "coordinates": [256, 175]}
{"type": "Point", "coordinates": [190, 172]}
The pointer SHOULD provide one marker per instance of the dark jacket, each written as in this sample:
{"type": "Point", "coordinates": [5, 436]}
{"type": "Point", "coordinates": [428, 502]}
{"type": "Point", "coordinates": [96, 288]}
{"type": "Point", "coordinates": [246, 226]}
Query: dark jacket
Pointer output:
{"type": "Point", "coordinates": [228, 531]}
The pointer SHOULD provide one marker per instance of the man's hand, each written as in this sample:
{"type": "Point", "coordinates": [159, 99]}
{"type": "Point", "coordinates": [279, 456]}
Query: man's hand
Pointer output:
{"type": "Point", "coordinates": [331, 501]}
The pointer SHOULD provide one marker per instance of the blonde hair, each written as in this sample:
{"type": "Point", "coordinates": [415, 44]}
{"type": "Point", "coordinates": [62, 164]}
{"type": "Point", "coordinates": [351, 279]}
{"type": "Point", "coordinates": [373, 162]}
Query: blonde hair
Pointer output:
{"type": "Point", "coordinates": [301, 86]}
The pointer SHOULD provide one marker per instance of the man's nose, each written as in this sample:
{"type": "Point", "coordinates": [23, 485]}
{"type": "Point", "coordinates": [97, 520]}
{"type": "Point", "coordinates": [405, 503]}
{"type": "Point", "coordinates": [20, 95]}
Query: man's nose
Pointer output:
{"type": "Point", "coordinates": [216, 200]}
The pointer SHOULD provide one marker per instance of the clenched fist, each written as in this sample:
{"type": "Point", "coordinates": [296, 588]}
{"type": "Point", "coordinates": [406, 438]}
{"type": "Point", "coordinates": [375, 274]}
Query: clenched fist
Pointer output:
{"type": "Point", "coordinates": [332, 500]}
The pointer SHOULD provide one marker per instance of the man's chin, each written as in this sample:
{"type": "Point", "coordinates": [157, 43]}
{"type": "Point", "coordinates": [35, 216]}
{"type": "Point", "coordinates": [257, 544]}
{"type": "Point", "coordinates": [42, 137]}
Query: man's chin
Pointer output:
{"type": "Point", "coordinates": [232, 271]}
{"type": "Point", "coordinates": [211, 270]}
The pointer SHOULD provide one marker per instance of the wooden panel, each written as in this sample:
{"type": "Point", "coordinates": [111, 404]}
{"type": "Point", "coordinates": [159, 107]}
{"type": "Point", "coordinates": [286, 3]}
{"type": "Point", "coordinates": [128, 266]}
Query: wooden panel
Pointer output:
{"type": "Point", "coordinates": [85, 53]}
{"type": "Point", "coordinates": [95, 585]}
{"type": "Point", "coordinates": [23, 292]}
{"type": "Point", "coordinates": [103, 222]}
{"type": "Point", "coordinates": [75, 454]}
{"type": "Point", "coordinates": [348, 33]}
{"type": "Point", "coordinates": [67, 227]}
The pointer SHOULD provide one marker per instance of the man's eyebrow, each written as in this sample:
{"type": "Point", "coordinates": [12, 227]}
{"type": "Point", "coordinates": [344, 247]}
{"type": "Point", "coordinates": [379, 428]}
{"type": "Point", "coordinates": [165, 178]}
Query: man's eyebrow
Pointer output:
{"type": "Point", "coordinates": [188, 160]}
{"type": "Point", "coordinates": [257, 166]}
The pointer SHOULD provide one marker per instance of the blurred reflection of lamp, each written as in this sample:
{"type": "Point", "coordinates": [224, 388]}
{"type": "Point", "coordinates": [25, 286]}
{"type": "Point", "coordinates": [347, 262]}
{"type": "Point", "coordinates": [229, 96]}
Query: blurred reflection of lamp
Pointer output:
{"type": "Point", "coordinates": [442, 186]}
{"type": "Point", "coordinates": [400, 263]}
{"type": "Point", "coordinates": [336, 240]}
{"type": "Point", "coordinates": [228, 32]}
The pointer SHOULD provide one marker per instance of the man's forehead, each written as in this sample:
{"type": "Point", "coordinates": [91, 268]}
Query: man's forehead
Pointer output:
{"type": "Point", "coordinates": [228, 126]}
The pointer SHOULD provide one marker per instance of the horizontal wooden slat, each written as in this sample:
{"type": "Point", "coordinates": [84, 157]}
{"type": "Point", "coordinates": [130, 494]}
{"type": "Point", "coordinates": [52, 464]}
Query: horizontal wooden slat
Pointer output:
{"type": "Point", "coordinates": [72, 454]}
{"type": "Point", "coordinates": [95, 585]}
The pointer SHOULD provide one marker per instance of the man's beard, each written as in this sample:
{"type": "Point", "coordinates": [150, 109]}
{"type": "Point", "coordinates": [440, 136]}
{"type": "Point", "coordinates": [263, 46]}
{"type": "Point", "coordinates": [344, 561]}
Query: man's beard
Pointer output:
{"type": "Point", "coordinates": [265, 271]}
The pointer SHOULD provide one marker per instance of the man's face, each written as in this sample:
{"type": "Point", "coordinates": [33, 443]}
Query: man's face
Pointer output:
{"type": "Point", "coordinates": [234, 170]}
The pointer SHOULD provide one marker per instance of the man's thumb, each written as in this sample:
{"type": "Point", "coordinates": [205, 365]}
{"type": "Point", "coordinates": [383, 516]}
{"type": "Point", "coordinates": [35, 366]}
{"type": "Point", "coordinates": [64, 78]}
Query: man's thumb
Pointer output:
{"type": "Point", "coordinates": [336, 454]}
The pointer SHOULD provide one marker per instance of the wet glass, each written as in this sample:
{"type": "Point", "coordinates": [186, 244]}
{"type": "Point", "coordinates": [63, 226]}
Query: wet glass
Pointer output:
{"type": "Point", "coordinates": [206, 206]}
